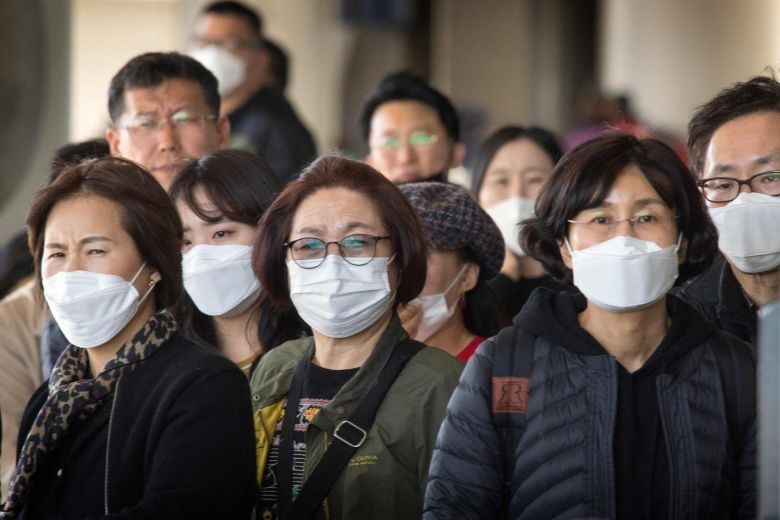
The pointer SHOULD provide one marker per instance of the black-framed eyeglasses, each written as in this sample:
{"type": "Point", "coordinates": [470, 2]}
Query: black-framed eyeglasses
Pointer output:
{"type": "Point", "coordinates": [310, 252]}
{"type": "Point", "coordinates": [726, 189]}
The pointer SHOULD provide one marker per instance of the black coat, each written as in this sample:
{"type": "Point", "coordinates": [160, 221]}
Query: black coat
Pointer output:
{"type": "Point", "coordinates": [717, 295]}
{"type": "Point", "coordinates": [180, 445]}
{"type": "Point", "coordinates": [563, 464]}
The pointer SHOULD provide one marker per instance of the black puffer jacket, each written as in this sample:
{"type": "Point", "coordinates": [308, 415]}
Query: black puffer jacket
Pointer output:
{"type": "Point", "coordinates": [564, 465]}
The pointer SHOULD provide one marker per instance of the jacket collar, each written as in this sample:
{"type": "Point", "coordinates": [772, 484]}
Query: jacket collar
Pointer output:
{"type": "Point", "coordinates": [733, 305]}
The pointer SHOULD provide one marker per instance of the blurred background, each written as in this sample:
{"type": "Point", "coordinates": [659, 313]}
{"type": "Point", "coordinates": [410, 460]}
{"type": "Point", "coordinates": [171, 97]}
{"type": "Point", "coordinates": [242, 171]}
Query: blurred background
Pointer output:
{"type": "Point", "coordinates": [562, 64]}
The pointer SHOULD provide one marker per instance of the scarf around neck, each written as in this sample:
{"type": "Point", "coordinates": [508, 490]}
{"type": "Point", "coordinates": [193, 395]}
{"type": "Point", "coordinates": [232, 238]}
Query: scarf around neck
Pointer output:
{"type": "Point", "coordinates": [74, 397]}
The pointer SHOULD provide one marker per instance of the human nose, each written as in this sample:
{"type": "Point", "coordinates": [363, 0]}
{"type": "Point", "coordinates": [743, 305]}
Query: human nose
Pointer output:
{"type": "Point", "coordinates": [744, 188]}
{"type": "Point", "coordinates": [405, 152]}
{"type": "Point", "coordinates": [167, 137]}
{"type": "Point", "coordinates": [619, 228]}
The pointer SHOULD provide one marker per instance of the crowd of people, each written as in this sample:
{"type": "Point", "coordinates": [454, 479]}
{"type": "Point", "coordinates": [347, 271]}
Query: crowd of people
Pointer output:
{"type": "Point", "coordinates": [216, 323]}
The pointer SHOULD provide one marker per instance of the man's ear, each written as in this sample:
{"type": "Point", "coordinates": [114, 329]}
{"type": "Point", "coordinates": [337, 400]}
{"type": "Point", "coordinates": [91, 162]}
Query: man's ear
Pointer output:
{"type": "Point", "coordinates": [458, 153]}
{"type": "Point", "coordinates": [112, 136]}
{"type": "Point", "coordinates": [223, 129]}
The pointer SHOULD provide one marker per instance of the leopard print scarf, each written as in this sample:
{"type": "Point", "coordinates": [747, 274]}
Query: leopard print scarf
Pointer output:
{"type": "Point", "coordinates": [73, 397]}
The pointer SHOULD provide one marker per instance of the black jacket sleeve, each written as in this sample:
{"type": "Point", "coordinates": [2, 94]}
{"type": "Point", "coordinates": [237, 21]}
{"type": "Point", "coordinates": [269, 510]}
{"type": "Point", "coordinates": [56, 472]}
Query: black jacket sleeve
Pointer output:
{"type": "Point", "coordinates": [466, 473]}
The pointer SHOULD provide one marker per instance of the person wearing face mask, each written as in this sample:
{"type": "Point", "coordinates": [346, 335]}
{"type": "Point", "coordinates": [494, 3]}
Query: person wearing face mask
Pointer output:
{"type": "Point", "coordinates": [228, 40]}
{"type": "Point", "coordinates": [735, 152]}
{"type": "Point", "coordinates": [621, 401]}
{"type": "Point", "coordinates": [510, 168]}
{"type": "Point", "coordinates": [346, 419]}
{"type": "Point", "coordinates": [456, 309]}
{"type": "Point", "coordinates": [135, 421]}
{"type": "Point", "coordinates": [220, 199]}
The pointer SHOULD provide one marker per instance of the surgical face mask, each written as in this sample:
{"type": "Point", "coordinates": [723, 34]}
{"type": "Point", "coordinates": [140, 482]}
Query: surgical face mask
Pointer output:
{"type": "Point", "coordinates": [219, 279]}
{"type": "Point", "coordinates": [91, 308]}
{"type": "Point", "coordinates": [338, 299]}
{"type": "Point", "coordinates": [625, 273]}
{"type": "Point", "coordinates": [435, 312]}
{"type": "Point", "coordinates": [229, 69]}
{"type": "Point", "coordinates": [747, 231]}
{"type": "Point", "coordinates": [507, 215]}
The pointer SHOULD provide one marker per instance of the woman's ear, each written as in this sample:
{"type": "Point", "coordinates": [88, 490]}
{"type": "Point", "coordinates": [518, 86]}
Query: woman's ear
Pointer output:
{"type": "Point", "coordinates": [470, 277]}
{"type": "Point", "coordinates": [682, 252]}
{"type": "Point", "coordinates": [563, 248]}
{"type": "Point", "coordinates": [154, 276]}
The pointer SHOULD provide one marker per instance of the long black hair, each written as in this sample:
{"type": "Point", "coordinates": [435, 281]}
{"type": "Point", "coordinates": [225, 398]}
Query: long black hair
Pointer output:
{"type": "Point", "coordinates": [241, 186]}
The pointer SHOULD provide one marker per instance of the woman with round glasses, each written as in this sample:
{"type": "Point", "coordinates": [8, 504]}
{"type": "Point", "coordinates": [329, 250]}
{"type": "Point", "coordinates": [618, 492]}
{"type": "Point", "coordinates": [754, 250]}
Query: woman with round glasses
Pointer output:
{"type": "Point", "coordinates": [622, 401]}
{"type": "Point", "coordinates": [346, 419]}
{"type": "Point", "coordinates": [510, 168]}
{"type": "Point", "coordinates": [220, 199]}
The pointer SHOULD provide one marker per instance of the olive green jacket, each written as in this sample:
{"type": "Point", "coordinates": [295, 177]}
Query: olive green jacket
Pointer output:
{"type": "Point", "coordinates": [387, 475]}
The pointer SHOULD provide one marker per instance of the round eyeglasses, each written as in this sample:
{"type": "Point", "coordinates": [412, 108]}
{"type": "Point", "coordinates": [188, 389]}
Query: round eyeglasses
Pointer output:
{"type": "Point", "coordinates": [726, 189]}
{"type": "Point", "coordinates": [310, 252]}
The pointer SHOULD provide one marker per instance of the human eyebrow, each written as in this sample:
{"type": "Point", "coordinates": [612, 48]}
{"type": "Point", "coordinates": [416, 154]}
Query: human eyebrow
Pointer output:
{"type": "Point", "coordinates": [95, 238]}
{"type": "Point", "coordinates": [221, 220]}
{"type": "Point", "coordinates": [641, 203]}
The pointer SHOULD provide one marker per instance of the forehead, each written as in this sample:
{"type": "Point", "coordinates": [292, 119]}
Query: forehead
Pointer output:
{"type": "Point", "coordinates": [743, 140]}
{"type": "Point", "coordinates": [218, 26]}
{"type": "Point", "coordinates": [335, 208]}
{"type": "Point", "coordinates": [630, 186]}
{"type": "Point", "coordinates": [170, 95]}
{"type": "Point", "coordinates": [83, 215]}
{"type": "Point", "coordinates": [405, 115]}
{"type": "Point", "coordinates": [521, 152]}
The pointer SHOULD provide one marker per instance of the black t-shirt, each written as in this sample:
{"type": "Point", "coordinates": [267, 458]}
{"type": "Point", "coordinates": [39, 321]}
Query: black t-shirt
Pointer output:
{"type": "Point", "coordinates": [319, 388]}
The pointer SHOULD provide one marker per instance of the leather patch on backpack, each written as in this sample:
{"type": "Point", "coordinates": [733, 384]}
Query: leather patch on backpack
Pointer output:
{"type": "Point", "coordinates": [510, 394]}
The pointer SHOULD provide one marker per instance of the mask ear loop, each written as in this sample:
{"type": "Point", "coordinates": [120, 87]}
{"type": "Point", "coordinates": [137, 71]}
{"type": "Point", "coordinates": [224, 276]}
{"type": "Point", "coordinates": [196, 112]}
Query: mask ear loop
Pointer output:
{"type": "Point", "coordinates": [151, 284]}
{"type": "Point", "coordinates": [679, 241]}
{"type": "Point", "coordinates": [568, 246]}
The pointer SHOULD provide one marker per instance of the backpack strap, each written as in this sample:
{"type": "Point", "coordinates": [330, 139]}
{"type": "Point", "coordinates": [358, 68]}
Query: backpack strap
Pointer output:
{"type": "Point", "coordinates": [348, 435]}
{"type": "Point", "coordinates": [511, 381]}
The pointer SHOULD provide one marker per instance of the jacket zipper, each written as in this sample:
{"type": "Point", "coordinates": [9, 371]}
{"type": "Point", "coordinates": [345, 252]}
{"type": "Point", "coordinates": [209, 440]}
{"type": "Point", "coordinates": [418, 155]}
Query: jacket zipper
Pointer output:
{"type": "Point", "coordinates": [108, 445]}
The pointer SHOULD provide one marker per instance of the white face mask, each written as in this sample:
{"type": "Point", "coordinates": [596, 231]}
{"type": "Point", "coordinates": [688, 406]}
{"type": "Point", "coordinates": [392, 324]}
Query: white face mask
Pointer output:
{"type": "Point", "coordinates": [338, 299]}
{"type": "Point", "coordinates": [91, 308]}
{"type": "Point", "coordinates": [219, 279]}
{"type": "Point", "coordinates": [625, 273]}
{"type": "Point", "coordinates": [229, 69]}
{"type": "Point", "coordinates": [507, 215]}
{"type": "Point", "coordinates": [435, 312]}
{"type": "Point", "coordinates": [748, 231]}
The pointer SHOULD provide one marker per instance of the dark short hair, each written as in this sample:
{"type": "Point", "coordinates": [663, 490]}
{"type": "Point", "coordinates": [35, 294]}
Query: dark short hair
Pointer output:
{"type": "Point", "coordinates": [403, 86]}
{"type": "Point", "coordinates": [395, 212]}
{"type": "Point", "coordinates": [582, 180]}
{"type": "Point", "coordinates": [154, 68]}
{"type": "Point", "coordinates": [544, 139]}
{"type": "Point", "coordinates": [239, 10]}
{"type": "Point", "coordinates": [241, 186]}
{"type": "Point", "coordinates": [74, 153]}
{"type": "Point", "coordinates": [758, 94]}
{"type": "Point", "coordinates": [148, 215]}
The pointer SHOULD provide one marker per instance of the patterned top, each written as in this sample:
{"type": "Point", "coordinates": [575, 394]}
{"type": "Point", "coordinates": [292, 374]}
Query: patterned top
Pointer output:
{"type": "Point", "coordinates": [319, 389]}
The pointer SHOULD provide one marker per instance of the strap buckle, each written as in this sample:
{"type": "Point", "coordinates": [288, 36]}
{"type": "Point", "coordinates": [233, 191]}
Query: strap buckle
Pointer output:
{"type": "Point", "coordinates": [357, 429]}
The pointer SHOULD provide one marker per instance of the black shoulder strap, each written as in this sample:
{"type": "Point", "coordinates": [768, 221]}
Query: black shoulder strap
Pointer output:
{"type": "Point", "coordinates": [511, 381]}
{"type": "Point", "coordinates": [348, 436]}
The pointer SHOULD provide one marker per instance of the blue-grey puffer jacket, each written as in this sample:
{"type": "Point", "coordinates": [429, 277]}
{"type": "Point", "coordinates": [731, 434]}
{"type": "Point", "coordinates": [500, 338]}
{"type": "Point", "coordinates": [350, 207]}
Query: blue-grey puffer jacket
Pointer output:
{"type": "Point", "coordinates": [563, 464]}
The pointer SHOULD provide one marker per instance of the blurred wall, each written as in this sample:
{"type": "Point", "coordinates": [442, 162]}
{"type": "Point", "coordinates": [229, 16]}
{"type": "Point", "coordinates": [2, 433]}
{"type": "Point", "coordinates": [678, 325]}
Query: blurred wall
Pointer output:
{"type": "Point", "coordinates": [672, 55]}
{"type": "Point", "coordinates": [34, 98]}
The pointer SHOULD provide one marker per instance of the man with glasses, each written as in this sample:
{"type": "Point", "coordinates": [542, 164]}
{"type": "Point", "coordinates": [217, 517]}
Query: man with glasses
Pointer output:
{"type": "Point", "coordinates": [164, 110]}
{"type": "Point", "coordinates": [228, 40]}
{"type": "Point", "coordinates": [734, 143]}
{"type": "Point", "coordinates": [412, 131]}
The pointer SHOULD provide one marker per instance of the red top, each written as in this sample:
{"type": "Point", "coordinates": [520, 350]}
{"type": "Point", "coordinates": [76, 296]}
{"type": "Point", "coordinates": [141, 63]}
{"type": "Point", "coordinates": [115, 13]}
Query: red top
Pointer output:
{"type": "Point", "coordinates": [467, 352]}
